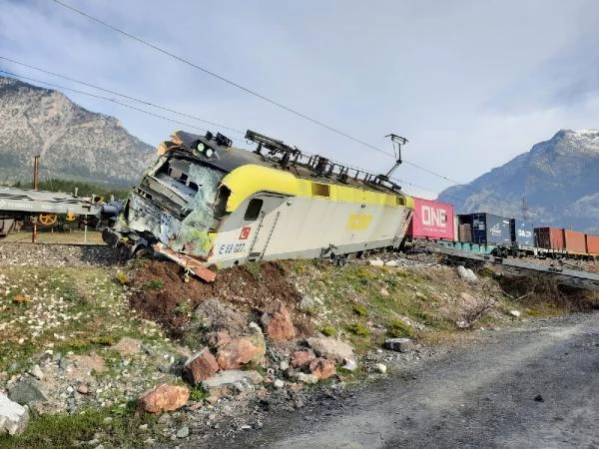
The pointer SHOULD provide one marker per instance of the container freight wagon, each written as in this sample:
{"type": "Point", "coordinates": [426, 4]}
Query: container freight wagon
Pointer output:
{"type": "Point", "coordinates": [575, 242]}
{"type": "Point", "coordinates": [522, 234]}
{"type": "Point", "coordinates": [432, 220]}
{"type": "Point", "coordinates": [592, 245]}
{"type": "Point", "coordinates": [551, 239]}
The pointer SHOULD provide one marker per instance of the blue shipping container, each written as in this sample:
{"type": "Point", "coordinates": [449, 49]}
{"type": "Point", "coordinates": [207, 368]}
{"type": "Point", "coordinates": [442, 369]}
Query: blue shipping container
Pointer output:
{"type": "Point", "coordinates": [489, 228]}
{"type": "Point", "coordinates": [522, 233]}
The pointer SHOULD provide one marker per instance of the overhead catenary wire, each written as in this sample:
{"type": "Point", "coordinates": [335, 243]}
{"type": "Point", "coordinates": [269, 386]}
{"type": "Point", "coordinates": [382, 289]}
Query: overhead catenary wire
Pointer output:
{"type": "Point", "coordinates": [120, 94]}
{"type": "Point", "coordinates": [262, 96]}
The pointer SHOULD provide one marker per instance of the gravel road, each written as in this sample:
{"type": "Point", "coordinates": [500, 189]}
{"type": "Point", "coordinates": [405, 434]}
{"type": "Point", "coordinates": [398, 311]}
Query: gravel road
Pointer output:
{"type": "Point", "coordinates": [532, 387]}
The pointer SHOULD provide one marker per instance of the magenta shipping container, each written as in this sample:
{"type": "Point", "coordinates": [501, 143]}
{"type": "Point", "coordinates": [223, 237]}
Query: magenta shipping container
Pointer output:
{"type": "Point", "coordinates": [432, 220]}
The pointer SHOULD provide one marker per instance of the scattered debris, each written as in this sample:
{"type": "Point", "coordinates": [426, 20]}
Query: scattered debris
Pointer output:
{"type": "Point", "coordinates": [467, 274]}
{"type": "Point", "coordinates": [36, 372]}
{"type": "Point", "coordinates": [26, 392]}
{"type": "Point", "coordinates": [322, 368]}
{"type": "Point", "coordinates": [299, 359]}
{"type": "Point", "coordinates": [515, 313]}
{"type": "Point", "coordinates": [183, 432]}
{"type": "Point", "coordinates": [539, 398]}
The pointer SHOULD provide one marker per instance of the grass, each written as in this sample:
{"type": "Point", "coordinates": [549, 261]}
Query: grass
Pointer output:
{"type": "Point", "coordinates": [399, 329]}
{"type": "Point", "coordinates": [118, 425]}
{"type": "Point", "coordinates": [46, 236]}
{"type": "Point", "coordinates": [154, 284]}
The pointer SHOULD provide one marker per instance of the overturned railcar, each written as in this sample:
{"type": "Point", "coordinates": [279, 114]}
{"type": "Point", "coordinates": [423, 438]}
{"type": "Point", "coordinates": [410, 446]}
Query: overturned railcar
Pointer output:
{"type": "Point", "coordinates": [206, 205]}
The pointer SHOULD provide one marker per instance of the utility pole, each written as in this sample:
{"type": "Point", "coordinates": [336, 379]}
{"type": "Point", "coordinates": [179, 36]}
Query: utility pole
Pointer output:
{"type": "Point", "coordinates": [36, 166]}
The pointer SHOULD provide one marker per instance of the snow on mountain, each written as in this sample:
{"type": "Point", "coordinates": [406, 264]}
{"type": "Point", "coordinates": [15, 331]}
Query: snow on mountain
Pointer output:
{"type": "Point", "coordinates": [559, 179]}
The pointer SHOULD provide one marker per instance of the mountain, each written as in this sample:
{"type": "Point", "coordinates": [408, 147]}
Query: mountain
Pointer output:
{"type": "Point", "coordinates": [73, 142]}
{"type": "Point", "coordinates": [558, 178]}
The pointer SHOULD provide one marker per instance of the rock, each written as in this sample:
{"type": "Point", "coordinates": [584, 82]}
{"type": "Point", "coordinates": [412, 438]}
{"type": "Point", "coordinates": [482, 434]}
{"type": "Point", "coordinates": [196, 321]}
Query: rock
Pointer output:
{"type": "Point", "coordinates": [322, 368]}
{"type": "Point", "coordinates": [240, 351]}
{"type": "Point", "coordinates": [467, 274]}
{"type": "Point", "coordinates": [302, 358]}
{"type": "Point", "coordinates": [384, 292]}
{"type": "Point", "coordinates": [143, 427]}
{"type": "Point", "coordinates": [13, 417]}
{"type": "Point", "coordinates": [216, 315]}
{"type": "Point", "coordinates": [539, 398]}
{"type": "Point", "coordinates": [515, 313]}
{"type": "Point", "coordinates": [127, 347]}
{"type": "Point", "coordinates": [330, 348]}
{"type": "Point", "coordinates": [462, 324]}
{"type": "Point", "coordinates": [36, 372]}
{"type": "Point", "coordinates": [283, 365]}
{"type": "Point", "coordinates": [376, 263]}
{"type": "Point", "coordinates": [471, 276]}
{"type": "Point", "coordinates": [392, 264]}
{"type": "Point", "coordinates": [307, 378]}
{"type": "Point", "coordinates": [399, 344]}
{"type": "Point", "coordinates": [307, 304]}
{"type": "Point", "coordinates": [277, 322]}
{"type": "Point", "coordinates": [246, 427]}
{"type": "Point", "coordinates": [218, 339]}
{"type": "Point", "coordinates": [350, 365]}
{"type": "Point", "coordinates": [26, 392]}
{"type": "Point", "coordinates": [258, 425]}
{"type": "Point", "coordinates": [70, 390]}
{"type": "Point", "coordinates": [163, 398]}
{"type": "Point", "coordinates": [278, 384]}
{"type": "Point", "coordinates": [200, 366]}
{"type": "Point", "coordinates": [231, 383]}
{"type": "Point", "coordinates": [468, 299]}
{"type": "Point", "coordinates": [379, 367]}
{"type": "Point", "coordinates": [82, 389]}
{"type": "Point", "coordinates": [183, 432]}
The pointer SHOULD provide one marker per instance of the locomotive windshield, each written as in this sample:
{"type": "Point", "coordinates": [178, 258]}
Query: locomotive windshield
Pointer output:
{"type": "Point", "coordinates": [174, 204]}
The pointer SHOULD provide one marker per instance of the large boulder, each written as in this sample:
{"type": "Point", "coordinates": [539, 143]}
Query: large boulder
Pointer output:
{"type": "Point", "coordinates": [241, 351]}
{"type": "Point", "coordinates": [200, 366]}
{"type": "Point", "coordinates": [277, 322]}
{"type": "Point", "coordinates": [13, 417]}
{"type": "Point", "coordinates": [231, 383]}
{"type": "Point", "coordinates": [164, 398]}
{"type": "Point", "coordinates": [333, 349]}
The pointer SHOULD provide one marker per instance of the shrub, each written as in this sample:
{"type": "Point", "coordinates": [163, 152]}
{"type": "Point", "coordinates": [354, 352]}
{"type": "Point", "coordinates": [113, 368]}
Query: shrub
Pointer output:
{"type": "Point", "coordinates": [359, 329]}
{"type": "Point", "coordinates": [360, 310]}
{"type": "Point", "coordinates": [399, 329]}
{"type": "Point", "coordinates": [154, 284]}
{"type": "Point", "coordinates": [329, 330]}
{"type": "Point", "coordinates": [122, 278]}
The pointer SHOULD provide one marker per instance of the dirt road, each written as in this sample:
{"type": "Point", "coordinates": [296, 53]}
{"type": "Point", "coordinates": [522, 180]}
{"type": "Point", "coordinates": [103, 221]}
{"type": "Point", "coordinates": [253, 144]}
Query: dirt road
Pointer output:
{"type": "Point", "coordinates": [532, 387]}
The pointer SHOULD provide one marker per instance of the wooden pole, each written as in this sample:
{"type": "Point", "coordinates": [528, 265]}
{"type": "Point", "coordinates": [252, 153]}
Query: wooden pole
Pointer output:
{"type": "Point", "coordinates": [36, 165]}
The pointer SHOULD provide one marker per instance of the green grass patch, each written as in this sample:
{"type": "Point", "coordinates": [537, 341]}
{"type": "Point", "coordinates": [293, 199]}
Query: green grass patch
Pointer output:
{"type": "Point", "coordinates": [329, 330]}
{"type": "Point", "coordinates": [154, 284]}
{"type": "Point", "coordinates": [399, 329]}
{"type": "Point", "coordinates": [358, 329]}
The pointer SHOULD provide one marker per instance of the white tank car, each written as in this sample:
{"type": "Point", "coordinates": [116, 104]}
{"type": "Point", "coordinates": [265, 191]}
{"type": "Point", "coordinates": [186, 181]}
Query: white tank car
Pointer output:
{"type": "Point", "coordinates": [207, 205]}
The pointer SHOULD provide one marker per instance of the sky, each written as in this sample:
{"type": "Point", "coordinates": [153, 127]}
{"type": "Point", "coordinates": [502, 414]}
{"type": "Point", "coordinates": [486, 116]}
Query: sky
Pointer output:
{"type": "Point", "coordinates": [470, 84]}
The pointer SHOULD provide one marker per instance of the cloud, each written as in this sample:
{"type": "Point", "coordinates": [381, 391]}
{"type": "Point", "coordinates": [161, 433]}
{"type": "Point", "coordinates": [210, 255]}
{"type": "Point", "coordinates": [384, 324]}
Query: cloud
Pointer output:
{"type": "Point", "coordinates": [470, 84]}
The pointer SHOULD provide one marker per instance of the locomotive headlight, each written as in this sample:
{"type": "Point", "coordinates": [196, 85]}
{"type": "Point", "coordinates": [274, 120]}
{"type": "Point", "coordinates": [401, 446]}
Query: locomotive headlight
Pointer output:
{"type": "Point", "coordinates": [200, 147]}
{"type": "Point", "coordinates": [209, 152]}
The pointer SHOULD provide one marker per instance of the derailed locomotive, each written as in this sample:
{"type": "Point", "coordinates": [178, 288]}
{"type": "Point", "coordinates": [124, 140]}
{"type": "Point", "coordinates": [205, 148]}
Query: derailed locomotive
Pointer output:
{"type": "Point", "coordinates": [207, 205]}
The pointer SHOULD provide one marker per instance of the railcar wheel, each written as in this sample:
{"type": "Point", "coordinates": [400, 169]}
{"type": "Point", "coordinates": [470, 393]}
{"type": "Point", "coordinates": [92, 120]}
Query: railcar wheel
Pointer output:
{"type": "Point", "coordinates": [48, 219]}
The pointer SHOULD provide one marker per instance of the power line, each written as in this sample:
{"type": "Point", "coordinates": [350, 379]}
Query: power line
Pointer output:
{"type": "Point", "coordinates": [220, 77]}
{"type": "Point", "coordinates": [128, 97]}
{"type": "Point", "coordinates": [112, 100]}
{"type": "Point", "coordinates": [256, 94]}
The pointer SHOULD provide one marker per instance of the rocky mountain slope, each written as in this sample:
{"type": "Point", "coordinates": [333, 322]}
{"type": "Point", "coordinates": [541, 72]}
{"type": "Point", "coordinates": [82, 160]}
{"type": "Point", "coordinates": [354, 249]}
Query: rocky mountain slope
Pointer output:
{"type": "Point", "coordinates": [73, 143]}
{"type": "Point", "coordinates": [559, 179]}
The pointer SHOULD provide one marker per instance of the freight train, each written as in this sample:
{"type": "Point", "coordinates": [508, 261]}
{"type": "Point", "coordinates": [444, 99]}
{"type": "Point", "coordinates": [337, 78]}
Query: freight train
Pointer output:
{"type": "Point", "coordinates": [487, 233]}
{"type": "Point", "coordinates": [208, 205]}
